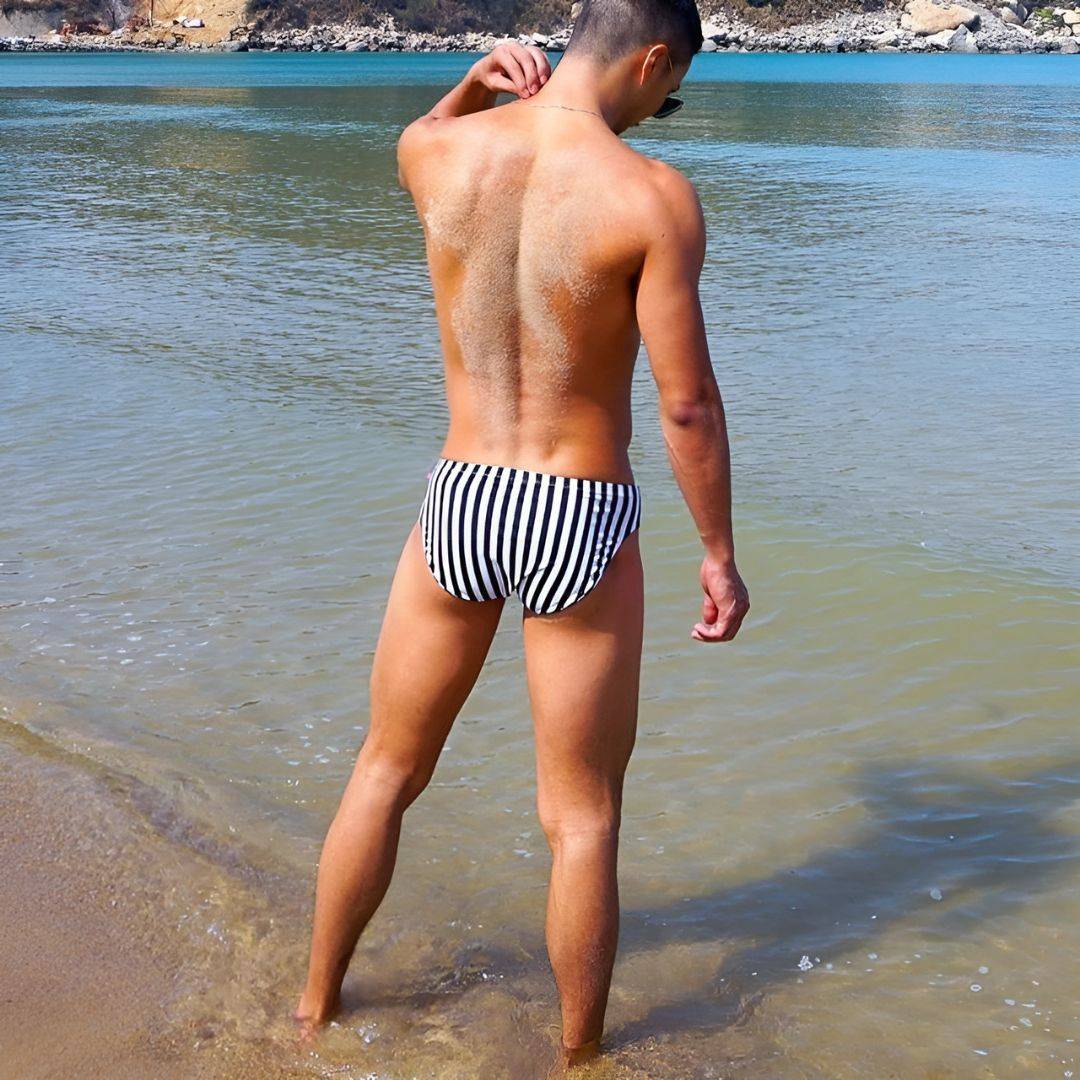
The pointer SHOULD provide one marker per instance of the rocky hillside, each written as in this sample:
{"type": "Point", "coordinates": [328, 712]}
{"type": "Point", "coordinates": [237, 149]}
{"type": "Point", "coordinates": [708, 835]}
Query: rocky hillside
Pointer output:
{"type": "Point", "coordinates": [426, 25]}
{"type": "Point", "coordinates": [425, 16]}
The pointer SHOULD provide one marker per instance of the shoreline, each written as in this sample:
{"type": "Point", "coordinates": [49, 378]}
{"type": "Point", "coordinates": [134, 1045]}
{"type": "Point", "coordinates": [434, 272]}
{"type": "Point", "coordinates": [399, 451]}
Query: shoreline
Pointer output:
{"type": "Point", "coordinates": [114, 936]}
{"type": "Point", "coordinates": [921, 26]}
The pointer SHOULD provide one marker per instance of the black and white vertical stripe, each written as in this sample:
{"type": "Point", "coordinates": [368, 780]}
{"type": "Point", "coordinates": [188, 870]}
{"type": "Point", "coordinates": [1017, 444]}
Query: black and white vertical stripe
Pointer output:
{"type": "Point", "coordinates": [490, 530]}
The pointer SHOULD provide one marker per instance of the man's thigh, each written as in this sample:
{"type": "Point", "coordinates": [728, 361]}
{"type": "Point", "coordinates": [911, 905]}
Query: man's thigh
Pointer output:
{"type": "Point", "coordinates": [583, 668]}
{"type": "Point", "coordinates": [431, 648]}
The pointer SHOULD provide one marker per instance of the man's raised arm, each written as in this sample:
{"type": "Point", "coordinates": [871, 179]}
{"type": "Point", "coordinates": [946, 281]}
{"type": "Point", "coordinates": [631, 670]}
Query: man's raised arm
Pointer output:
{"type": "Point", "coordinates": [512, 69]}
{"type": "Point", "coordinates": [691, 410]}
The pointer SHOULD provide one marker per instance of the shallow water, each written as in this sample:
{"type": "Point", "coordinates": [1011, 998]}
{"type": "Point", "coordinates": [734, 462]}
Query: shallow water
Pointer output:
{"type": "Point", "coordinates": [851, 837]}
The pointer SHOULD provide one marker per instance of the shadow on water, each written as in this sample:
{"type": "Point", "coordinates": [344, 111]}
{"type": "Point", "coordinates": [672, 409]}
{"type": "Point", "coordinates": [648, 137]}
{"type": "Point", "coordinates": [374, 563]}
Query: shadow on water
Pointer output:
{"type": "Point", "coordinates": [984, 846]}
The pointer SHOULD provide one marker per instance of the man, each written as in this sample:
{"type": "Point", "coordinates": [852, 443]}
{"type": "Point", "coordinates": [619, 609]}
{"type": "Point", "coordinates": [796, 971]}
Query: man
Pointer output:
{"type": "Point", "coordinates": [554, 249]}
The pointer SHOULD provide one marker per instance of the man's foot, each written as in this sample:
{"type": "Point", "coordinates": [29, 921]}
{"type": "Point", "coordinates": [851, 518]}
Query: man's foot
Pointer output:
{"type": "Point", "coordinates": [312, 1017]}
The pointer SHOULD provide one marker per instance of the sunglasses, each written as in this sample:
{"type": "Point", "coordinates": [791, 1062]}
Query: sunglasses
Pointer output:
{"type": "Point", "coordinates": [670, 104]}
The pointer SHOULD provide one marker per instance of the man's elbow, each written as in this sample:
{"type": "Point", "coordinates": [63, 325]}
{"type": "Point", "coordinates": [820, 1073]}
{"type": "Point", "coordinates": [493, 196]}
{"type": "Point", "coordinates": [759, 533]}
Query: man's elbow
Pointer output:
{"type": "Point", "coordinates": [697, 409]}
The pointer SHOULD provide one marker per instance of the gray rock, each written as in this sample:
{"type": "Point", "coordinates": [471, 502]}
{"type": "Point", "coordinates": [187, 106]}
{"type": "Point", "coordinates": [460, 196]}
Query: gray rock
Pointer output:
{"type": "Point", "coordinates": [940, 40]}
{"type": "Point", "coordinates": [708, 45]}
{"type": "Point", "coordinates": [963, 41]}
{"type": "Point", "coordinates": [958, 40]}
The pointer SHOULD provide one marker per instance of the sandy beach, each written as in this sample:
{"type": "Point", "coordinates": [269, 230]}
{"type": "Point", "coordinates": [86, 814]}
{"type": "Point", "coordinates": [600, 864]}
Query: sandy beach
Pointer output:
{"type": "Point", "coordinates": [99, 978]}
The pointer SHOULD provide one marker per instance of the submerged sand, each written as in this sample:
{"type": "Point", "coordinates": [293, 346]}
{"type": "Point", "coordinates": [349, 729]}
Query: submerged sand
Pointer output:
{"type": "Point", "coordinates": [98, 972]}
{"type": "Point", "coordinates": [132, 945]}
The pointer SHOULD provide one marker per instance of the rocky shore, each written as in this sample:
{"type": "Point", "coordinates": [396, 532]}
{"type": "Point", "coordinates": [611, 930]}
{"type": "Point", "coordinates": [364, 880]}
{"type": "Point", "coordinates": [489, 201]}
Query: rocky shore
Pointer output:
{"type": "Point", "coordinates": [917, 26]}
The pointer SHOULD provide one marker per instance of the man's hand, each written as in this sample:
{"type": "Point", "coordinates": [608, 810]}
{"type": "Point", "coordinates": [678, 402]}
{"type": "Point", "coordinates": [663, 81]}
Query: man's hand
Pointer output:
{"type": "Point", "coordinates": [726, 601]}
{"type": "Point", "coordinates": [513, 69]}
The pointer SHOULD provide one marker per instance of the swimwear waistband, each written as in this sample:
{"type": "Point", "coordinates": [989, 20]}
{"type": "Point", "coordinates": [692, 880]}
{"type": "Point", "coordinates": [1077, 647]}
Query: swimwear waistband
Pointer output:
{"type": "Point", "coordinates": [540, 477]}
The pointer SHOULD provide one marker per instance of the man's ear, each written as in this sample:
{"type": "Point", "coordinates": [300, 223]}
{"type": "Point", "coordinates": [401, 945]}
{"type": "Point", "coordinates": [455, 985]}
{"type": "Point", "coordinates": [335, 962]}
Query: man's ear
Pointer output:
{"type": "Point", "coordinates": [653, 56]}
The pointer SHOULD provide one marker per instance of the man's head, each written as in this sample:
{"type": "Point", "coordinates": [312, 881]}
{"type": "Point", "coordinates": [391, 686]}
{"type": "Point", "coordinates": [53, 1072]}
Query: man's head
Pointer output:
{"type": "Point", "coordinates": [648, 43]}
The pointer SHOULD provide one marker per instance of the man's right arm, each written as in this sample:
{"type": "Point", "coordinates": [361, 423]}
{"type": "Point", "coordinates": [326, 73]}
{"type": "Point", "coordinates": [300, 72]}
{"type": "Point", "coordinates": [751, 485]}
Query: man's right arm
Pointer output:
{"type": "Point", "coordinates": [691, 410]}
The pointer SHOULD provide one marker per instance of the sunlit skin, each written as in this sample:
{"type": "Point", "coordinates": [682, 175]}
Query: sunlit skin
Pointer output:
{"type": "Point", "coordinates": [554, 250]}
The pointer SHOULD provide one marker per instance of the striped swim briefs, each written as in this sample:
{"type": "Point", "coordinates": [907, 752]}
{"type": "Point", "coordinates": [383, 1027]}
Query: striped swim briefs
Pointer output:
{"type": "Point", "coordinates": [490, 530]}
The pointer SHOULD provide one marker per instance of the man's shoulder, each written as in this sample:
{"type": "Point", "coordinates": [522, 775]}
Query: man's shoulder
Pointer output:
{"type": "Point", "coordinates": [666, 201]}
{"type": "Point", "coordinates": [423, 135]}
{"type": "Point", "coordinates": [429, 141]}
{"type": "Point", "coordinates": [671, 190]}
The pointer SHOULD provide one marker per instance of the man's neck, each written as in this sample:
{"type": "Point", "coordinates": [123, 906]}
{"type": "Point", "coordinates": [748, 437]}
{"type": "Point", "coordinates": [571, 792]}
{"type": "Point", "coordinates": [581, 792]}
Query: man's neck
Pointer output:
{"type": "Point", "coordinates": [579, 82]}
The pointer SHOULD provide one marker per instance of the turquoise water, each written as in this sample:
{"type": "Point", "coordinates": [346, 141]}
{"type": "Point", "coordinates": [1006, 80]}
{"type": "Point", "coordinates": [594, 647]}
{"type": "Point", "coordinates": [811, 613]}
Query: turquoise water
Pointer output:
{"type": "Point", "coordinates": [438, 69]}
{"type": "Point", "coordinates": [221, 393]}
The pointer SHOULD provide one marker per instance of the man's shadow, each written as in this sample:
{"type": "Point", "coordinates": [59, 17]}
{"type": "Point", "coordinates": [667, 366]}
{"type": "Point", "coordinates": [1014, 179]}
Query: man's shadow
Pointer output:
{"type": "Point", "coordinates": [986, 846]}
{"type": "Point", "coordinates": [981, 845]}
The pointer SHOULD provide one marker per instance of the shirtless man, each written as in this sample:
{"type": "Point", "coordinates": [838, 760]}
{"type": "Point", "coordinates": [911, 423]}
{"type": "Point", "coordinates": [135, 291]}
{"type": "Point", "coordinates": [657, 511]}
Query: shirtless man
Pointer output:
{"type": "Point", "coordinates": [554, 249]}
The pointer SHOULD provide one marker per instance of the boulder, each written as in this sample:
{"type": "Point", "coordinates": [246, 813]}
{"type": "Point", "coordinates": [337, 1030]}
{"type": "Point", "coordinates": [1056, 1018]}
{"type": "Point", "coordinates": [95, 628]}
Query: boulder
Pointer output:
{"type": "Point", "coordinates": [708, 45]}
{"type": "Point", "coordinates": [887, 38]}
{"type": "Point", "coordinates": [1071, 18]}
{"type": "Point", "coordinates": [924, 17]}
{"type": "Point", "coordinates": [958, 40]}
{"type": "Point", "coordinates": [1070, 47]}
{"type": "Point", "coordinates": [1010, 16]}
{"type": "Point", "coordinates": [963, 41]}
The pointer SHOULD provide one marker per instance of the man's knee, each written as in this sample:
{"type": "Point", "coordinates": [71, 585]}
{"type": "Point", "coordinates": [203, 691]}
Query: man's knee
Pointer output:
{"type": "Point", "coordinates": [391, 779]}
{"type": "Point", "coordinates": [590, 823]}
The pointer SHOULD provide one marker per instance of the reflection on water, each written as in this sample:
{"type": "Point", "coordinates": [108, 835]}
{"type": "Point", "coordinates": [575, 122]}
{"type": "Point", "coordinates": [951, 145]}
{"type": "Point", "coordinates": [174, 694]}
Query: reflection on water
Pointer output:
{"type": "Point", "coordinates": [221, 396]}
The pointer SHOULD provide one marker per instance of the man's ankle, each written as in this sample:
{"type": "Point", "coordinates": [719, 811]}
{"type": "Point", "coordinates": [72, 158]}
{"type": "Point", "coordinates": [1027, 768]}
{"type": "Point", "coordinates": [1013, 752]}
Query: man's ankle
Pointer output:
{"type": "Point", "coordinates": [316, 1007]}
{"type": "Point", "coordinates": [579, 1053]}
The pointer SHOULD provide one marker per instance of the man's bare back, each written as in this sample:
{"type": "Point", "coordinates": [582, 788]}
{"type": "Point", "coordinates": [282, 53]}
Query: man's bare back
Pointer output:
{"type": "Point", "coordinates": [554, 250]}
{"type": "Point", "coordinates": [536, 221]}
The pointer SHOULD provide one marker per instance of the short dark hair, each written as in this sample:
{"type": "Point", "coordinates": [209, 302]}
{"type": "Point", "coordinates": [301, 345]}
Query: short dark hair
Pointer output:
{"type": "Point", "coordinates": [609, 29]}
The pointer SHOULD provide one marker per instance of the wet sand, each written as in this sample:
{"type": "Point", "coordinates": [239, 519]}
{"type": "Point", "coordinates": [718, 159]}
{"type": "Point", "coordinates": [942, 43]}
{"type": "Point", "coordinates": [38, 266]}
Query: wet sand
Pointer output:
{"type": "Point", "coordinates": [97, 976]}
